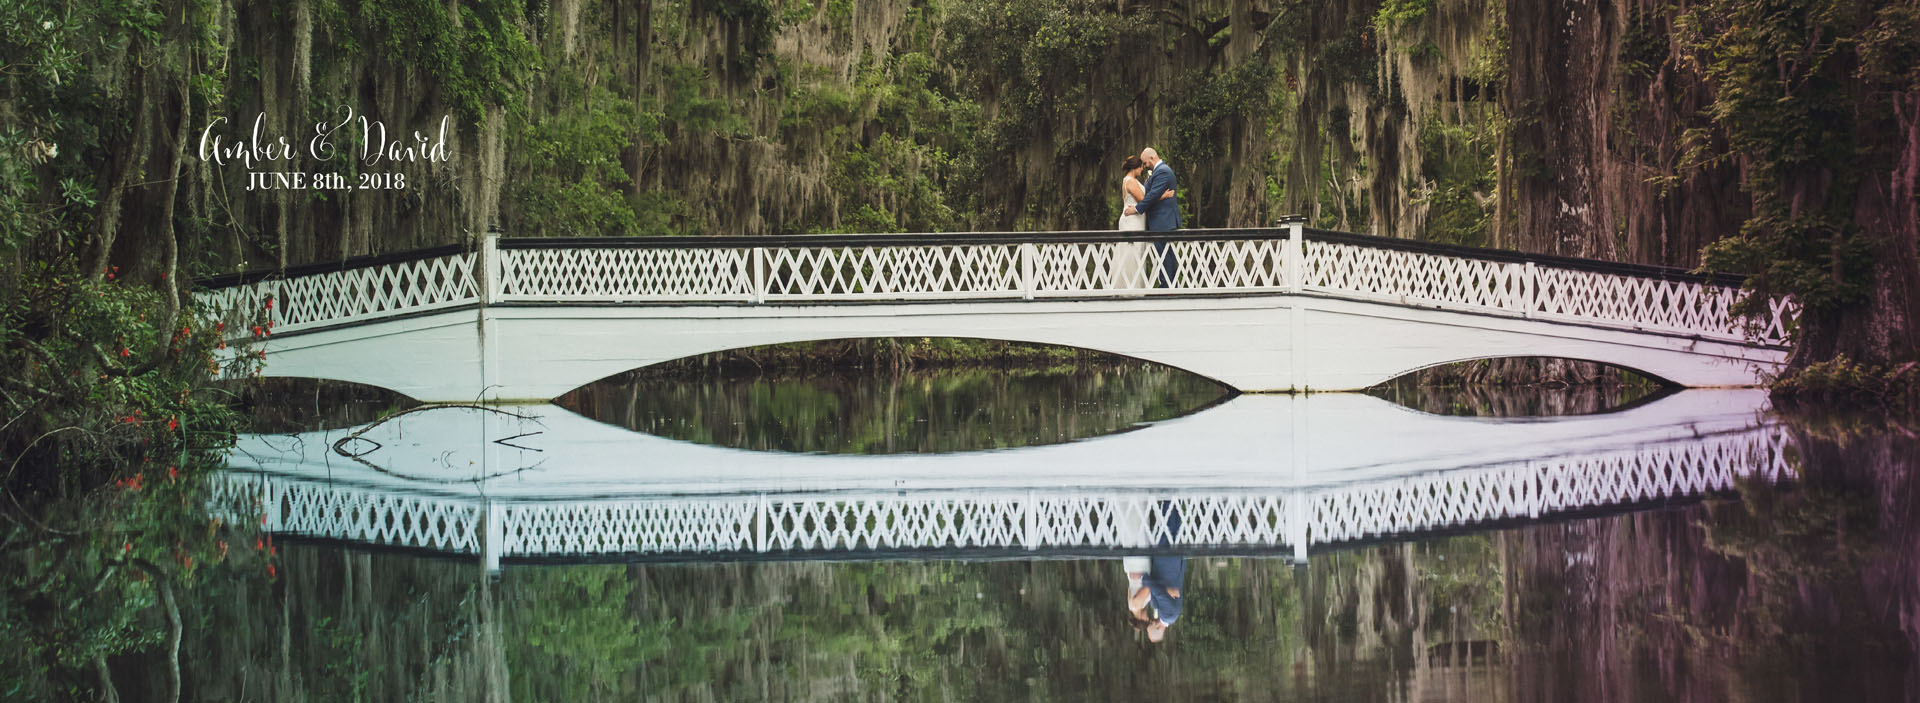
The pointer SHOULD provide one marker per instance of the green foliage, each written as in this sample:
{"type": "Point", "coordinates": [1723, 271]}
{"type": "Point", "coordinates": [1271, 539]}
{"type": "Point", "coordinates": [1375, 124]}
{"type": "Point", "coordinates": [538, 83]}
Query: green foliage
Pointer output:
{"type": "Point", "coordinates": [1458, 163]}
{"type": "Point", "coordinates": [1395, 15]}
{"type": "Point", "coordinates": [754, 22]}
{"type": "Point", "coordinates": [1843, 381]}
{"type": "Point", "coordinates": [573, 181]}
{"type": "Point", "coordinates": [1056, 74]}
{"type": "Point", "coordinates": [1213, 97]}
{"type": "Point", "coordinates": [112, 426]}
{"type": "Point", "coordinates": [1808, 131]}
{"type": "Point", "coordinates": [479, 57]}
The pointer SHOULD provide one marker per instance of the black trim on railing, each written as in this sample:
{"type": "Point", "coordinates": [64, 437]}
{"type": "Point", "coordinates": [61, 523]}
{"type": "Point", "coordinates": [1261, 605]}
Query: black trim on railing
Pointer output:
{"type": "Point", "coordinates": [867, 240]}
{"type": "Point", "coordinates": [966, 238]}
{"type": "Point", "coordinates": [357, 262]}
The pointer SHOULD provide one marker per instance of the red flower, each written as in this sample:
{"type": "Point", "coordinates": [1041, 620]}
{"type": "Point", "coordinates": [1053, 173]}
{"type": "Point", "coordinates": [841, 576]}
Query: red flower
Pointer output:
{"type": "Point", "coordinates": [125, 352]}
{"type": "Point", "coordinates": [257, 545]}
{"type": "Point", "coordinates": [173, 423]}
{"type": "Point", "coordinates": [128, 547]}
{"type": "Point", "coordinates": [172, 473]}
{"type": "Point", "coordinates": [269, 303]}
{"type": "Point", "coordinates": [270, 573]}
{"type": "Point", "coordinates": [220, 327]}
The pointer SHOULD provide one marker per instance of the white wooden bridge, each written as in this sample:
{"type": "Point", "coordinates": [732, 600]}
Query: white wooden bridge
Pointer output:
{"type": "Point", "coordinates": [1282, 309]}
{"type": "Point", "coordinates": [1262, 474]}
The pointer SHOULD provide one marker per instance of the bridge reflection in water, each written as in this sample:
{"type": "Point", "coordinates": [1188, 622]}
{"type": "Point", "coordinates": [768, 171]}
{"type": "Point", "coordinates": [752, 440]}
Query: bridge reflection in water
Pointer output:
{"type": "Point", "coordinates": [1258, 474]}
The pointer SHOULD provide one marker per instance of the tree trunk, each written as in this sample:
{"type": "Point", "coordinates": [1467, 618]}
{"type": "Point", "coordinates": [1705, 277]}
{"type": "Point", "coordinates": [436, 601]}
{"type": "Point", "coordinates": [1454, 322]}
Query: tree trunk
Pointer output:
{"type": "Point", "coordinates": [1561, 64]}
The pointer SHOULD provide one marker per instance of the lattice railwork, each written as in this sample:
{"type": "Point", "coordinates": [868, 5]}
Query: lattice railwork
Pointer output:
{"type": "Point", "coordinates": [892, 523]}
{"type": "Point", "coordinates": [690, 275]}
{"type": "Point", "coordinates": [1546, 292]}
{"type": "Point", "coordinates": [1653, 304]}
{"type": "Point", "coordinates": [1424, 503]}
{"type": "Point", "coordinates": [1142, 521]}
{"type": "Point", "coordinates": [1406, 277]}
{"type": "Point", "coordinates": [352, 295]}
{"type": "Point", "coordinates": [932, 271]}
{"type": "Point", "coordinates": [1082, 268]}
{"type": "Point", "coordinates": [633, 527]}
{"type": "Point", "coordinates": [360, 515]}
{"type": "Point", "coordinates": [239, 307]}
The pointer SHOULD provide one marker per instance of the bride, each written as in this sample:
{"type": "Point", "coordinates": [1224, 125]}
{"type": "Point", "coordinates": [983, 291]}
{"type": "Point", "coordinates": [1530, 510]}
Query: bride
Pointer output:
{"type": "Point", "coordinates": [1129, 267]}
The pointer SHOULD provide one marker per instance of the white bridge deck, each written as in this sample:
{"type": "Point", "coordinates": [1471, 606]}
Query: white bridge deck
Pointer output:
{"type": "Point", "coordinates": [1285, 309]}
{"type": "Point", "coordinates": [1258, 473]}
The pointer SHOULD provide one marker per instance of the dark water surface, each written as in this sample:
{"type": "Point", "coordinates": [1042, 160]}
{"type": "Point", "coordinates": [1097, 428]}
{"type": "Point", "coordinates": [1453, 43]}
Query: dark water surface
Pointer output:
{"type": "Point", "coordinates": [1805, 588]}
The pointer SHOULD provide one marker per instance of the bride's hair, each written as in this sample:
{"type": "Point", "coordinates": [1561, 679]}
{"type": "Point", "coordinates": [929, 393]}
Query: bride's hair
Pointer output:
{"type": "Point", "coordinates": [1131, 163]}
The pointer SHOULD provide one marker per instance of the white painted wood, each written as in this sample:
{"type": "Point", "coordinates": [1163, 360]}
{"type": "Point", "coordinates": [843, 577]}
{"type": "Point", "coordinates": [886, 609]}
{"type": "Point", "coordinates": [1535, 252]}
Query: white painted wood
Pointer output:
{"type": "Point", "coordinates": [431, 357]}
{"type": "Point", "coordinates": [1275, 314]}
{"type": "Point", "coordinates": [1251, 343]}
{"type": "Point", "coordinates": [584, 488]}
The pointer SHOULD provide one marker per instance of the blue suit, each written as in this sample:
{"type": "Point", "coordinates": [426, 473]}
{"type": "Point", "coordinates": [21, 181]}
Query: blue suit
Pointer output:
{"type": "Point", "coordinates": [1162, 216]}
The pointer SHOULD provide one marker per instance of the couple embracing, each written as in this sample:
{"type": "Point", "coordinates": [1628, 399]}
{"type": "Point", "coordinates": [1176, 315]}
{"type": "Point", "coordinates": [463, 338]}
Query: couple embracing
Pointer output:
{"type": "Point", "coordinates": [1148, 190]}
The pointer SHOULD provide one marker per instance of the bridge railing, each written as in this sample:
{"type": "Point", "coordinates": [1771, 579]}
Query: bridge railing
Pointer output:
{"type": "Point", "coordinates": [884, 267]}
{"type": "Point", "coordinates": [850, 525]}
{"type": "Point", "coordinates": [324, 295]}
{"type": "Point", "coordinates": [921, 267]}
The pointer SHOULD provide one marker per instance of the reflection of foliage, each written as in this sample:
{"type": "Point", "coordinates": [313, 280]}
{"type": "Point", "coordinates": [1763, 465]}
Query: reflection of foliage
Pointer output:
{"type": "Point", "coordinates": [105, 449]}
{"type": "Point", "coordinates": [903, 412]}
{"type": "Point", "coordinates": [579, 628]}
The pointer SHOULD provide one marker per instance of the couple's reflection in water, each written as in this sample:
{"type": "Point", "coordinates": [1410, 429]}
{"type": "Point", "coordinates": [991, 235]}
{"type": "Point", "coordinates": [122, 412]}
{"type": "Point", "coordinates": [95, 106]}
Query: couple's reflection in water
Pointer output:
{"type": "Point", "coordinates": [1154, 582]}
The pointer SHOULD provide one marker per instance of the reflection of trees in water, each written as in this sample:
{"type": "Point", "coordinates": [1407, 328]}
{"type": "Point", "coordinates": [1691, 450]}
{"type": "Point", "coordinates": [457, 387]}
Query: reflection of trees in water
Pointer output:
{"type": "Point", "coordinates": [388, 626]}
{"type": "Point", "coordinates": [288, 405]}
{"type": "Point", "coordinates": [906, 411]}
{"type": "Point", "coordinates": [1512, 401]}
{"type": "Point", "coordinates": [1800, 592]}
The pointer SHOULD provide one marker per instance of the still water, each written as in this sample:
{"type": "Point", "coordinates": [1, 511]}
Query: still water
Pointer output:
{"type": "Point", "coordinates": [961, 536]}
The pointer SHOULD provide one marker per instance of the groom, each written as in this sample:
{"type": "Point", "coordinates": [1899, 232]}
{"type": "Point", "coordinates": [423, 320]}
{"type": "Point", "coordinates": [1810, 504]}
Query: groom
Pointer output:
{"type": "Point", "coordinates": [1163, 214]}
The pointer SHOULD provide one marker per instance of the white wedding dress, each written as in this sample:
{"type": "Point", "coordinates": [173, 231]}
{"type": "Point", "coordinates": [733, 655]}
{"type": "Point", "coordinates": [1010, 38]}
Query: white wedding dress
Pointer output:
{"type": "Point", "coordinates": [1129, 267]}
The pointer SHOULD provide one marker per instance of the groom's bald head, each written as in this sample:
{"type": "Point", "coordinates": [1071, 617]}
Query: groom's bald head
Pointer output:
{"type": "Point", "coordinates": [1151, 157]}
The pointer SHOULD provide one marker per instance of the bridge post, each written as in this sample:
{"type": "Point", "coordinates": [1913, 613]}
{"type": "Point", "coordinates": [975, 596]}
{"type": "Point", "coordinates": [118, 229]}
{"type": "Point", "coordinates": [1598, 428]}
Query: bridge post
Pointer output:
{"type": "Point", "coordinates": [760, 525]}
{"type": "Point", "coordinates": [489, 268]}
{"type": "Point", "coordinates": [1028, 255]}
{"type": "Point", "coordinates": [759, 275]}
{"type": "Point", "coordinates": [494, 537]}
{"type": "Point", "coordinates": [1030, 521]}
{"type": "Point", "coordinates": [1297, 515]}
{"type": "Point", "coordinates": [1296, 254]}
{"type": "Point", "coordinates": [1296, 251]}
{"type": "Point", "coordinates": [1526, 290]}
{"type": "Point", "coordinates": [269, 506]}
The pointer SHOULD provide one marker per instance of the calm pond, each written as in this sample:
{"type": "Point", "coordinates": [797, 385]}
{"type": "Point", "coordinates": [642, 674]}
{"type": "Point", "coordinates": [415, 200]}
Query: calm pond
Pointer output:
{"type": "Point", "coordinates": [966, 535]}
